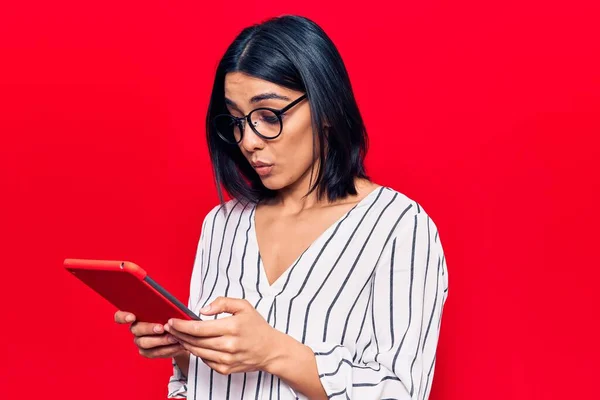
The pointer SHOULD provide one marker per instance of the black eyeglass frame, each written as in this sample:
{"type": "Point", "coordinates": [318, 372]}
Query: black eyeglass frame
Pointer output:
{"type": "Point", "coordinates": [240, 121]}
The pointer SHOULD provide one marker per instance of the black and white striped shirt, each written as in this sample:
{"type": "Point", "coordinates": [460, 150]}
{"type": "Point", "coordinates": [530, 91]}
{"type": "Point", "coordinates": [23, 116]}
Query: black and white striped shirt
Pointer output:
{"type": "Point", "coordinates": [367, 296]}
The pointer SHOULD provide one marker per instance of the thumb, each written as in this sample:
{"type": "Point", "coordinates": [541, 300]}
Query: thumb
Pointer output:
{"type": "Point", "coordinates": [227, 305]}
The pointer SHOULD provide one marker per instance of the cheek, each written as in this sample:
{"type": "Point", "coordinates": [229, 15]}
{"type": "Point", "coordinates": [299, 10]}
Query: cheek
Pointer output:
{"type": "Point", "coordinates": [299, 145]}
{"type": "Point", "coordinates": [297, 156]}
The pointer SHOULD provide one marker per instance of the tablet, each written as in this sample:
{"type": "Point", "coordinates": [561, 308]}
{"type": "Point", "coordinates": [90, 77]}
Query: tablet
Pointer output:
{"type": "Point", "coordinates": [129, 288]}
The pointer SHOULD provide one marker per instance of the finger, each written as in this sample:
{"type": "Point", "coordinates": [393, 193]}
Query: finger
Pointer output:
{"type": "Point", "coordinates": [184, 337]}
{"type": "Point", "coordinates": [223, 369]}
{"type": "Point", "coordinates": [215, 366]}
{"type": "Point", "coordinates": [210, 355]}
{"type": "Point", "coordinates": [225, 304]}
{"type": "Point", "coordinates": [162, 352]}
{"type": "Point", "coordinates": [201, 328]}
{"type": "Point", "coordinates": [146, 328]}
{"type": "Point", "coordinates": [123, 317]}
{"type": "Point", "coordinates": [224, 344]}
{"type": "Point", "coordinates": [150, 342]}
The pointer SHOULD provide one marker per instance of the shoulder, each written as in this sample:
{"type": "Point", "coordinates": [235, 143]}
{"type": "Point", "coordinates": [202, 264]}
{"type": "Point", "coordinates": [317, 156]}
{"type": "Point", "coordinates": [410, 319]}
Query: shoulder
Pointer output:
{"type": "Point", "coordinates": [406, 213]}
{"type": "Point", "coordinates": [220, 214]}
{"type": "Point", "coordinates": [396, 202]}
{"type": "Point", "coordinates": [414, 238]}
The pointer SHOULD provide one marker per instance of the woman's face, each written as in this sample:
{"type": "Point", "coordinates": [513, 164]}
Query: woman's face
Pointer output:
{"type": "Point", "coordinates": [287, 159]}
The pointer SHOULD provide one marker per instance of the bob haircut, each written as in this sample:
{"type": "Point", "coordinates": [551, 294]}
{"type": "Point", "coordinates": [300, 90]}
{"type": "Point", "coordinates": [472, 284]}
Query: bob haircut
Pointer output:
{"type": "Point", "coordinates": [293, 52]}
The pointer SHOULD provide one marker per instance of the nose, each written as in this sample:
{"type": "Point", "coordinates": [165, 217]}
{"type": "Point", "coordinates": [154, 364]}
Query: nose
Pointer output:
{"type": "Point", "coordinates": [250, 140]}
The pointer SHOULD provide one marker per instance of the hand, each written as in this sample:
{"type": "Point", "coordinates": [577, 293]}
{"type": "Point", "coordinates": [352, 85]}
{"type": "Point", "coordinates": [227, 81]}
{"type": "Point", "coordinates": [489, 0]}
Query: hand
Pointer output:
{"type": "Point", "coordinates": [243, 342]}
{"type": "Point", "coordinates": [151, 339]}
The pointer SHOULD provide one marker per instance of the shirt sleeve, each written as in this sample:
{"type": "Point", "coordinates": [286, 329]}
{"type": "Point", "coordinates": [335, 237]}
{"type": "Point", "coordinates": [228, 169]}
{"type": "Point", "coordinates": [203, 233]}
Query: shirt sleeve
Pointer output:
{"type": "Point", "coordinates": [177, 386]}
{"type": "Point", "coordinates": [408, 292]}
{"type": "Point", "coordinates": [177, 383]}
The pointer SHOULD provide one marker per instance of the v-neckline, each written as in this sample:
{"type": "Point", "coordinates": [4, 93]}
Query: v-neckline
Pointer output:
{"type": "Point", "coordinates": [261, 266]}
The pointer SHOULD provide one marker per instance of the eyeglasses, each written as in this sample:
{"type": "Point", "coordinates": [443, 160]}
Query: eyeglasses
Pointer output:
{"type": "Point", "coordinates": [265, 122]}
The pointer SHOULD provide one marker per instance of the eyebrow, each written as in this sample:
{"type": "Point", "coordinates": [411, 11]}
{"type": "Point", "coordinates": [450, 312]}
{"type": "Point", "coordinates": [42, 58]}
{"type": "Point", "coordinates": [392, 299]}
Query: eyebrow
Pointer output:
{"type": "Point", "coordinates": [261, 97]}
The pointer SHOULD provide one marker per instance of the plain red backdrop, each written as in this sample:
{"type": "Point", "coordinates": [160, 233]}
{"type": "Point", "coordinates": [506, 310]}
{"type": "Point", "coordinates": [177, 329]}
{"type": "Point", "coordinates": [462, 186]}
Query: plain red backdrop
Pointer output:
{"type": "Point", "coordinates": [486, 113]}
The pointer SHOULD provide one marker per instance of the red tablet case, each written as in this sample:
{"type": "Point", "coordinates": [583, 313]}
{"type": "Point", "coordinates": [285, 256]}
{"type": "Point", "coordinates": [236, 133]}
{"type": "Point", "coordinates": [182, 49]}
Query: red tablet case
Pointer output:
{"type": "Point", "coordinates": [129, 288]}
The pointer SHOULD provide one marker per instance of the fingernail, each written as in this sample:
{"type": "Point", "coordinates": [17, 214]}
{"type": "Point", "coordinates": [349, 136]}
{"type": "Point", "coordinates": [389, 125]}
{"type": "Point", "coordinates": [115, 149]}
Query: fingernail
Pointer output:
{"type": "Point", "coordinates": [157, 328]}
{"type": "Point", "coordinates": [172, 339]}
{"type": "Point", "coordinates": [130, 318]}
{"type": "Point", "coordinates": [205, 309]}
{"type": "Point", "coordinates": [170, 322]}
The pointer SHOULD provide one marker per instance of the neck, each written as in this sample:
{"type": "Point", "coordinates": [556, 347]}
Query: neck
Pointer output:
{"type": "Point", "coordinates": [294, 199]}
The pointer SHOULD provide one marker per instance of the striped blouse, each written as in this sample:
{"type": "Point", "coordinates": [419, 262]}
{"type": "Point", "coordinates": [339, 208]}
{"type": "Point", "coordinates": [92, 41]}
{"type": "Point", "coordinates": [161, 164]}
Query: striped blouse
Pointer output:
{"type": "Point", "coordinates": [366, 296]}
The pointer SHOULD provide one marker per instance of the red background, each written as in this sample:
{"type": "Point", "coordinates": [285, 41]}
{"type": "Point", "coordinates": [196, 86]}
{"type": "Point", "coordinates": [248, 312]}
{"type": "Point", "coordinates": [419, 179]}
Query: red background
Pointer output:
{"type": "Point", "coordinates": [486, 113]}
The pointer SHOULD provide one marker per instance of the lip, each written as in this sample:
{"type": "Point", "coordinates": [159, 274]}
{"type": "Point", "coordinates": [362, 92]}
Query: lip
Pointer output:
{"type": "Point", "coordinates": [262, 168]}
{"type": "Point", "coordinates": [258, 163]}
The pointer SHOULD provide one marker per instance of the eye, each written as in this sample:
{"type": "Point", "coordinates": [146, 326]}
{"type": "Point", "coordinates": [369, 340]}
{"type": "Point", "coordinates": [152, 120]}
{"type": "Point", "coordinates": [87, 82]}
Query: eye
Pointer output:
{"type": "Point", "coordinates": [271, 120]}
{"type": "Point", "coordinates": [266, 117]}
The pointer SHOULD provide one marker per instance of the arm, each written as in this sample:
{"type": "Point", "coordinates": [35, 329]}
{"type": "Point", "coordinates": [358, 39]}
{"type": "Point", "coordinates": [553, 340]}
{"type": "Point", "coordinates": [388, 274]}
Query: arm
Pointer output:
{"type": "Point", "coordinates": [182, 362]}
{"type": "Point", "coordinates": [296, 365]}
{"type": "Point", "coordinates": [408, 293]}
{"type": "Point", "coordinates": [177, 387]}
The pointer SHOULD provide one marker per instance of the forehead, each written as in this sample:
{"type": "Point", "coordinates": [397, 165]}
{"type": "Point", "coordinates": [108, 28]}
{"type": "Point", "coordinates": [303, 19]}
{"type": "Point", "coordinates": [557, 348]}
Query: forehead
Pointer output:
{"type": "Point", "coordinates": [241, 87]}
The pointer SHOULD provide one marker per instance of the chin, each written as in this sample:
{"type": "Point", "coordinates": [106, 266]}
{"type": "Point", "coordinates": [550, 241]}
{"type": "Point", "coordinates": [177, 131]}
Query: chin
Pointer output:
{"type": "Point", "coordinates": [271, 184]}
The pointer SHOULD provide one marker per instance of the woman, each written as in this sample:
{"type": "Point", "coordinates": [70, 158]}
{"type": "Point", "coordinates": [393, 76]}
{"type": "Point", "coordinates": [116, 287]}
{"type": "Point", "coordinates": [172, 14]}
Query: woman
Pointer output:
{"type": "Point", "coordinates": [314, 282]}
